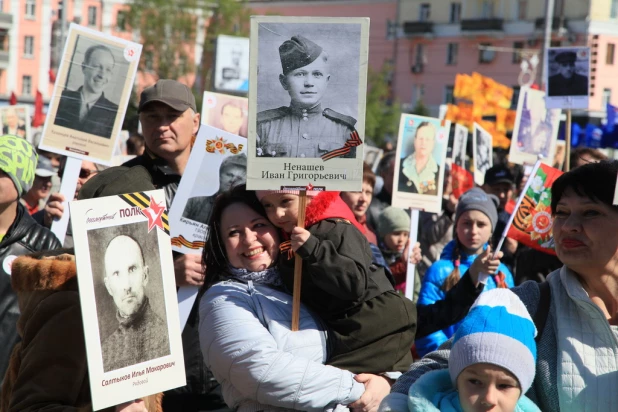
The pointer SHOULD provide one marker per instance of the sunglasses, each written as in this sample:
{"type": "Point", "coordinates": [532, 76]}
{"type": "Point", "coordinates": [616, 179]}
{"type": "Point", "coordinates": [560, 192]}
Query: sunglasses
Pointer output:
{"type": "Point", "coordinates": [83, 173]}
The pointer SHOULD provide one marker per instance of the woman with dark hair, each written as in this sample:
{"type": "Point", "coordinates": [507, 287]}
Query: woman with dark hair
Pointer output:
{"type": "Point", "coordinates": [245, 318]}
{"type": "Point", "coordinates": [575, 311]}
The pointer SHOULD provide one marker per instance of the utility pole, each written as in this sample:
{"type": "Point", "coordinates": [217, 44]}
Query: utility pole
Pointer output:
{"type": "Point", "coordinates": [549, 20]}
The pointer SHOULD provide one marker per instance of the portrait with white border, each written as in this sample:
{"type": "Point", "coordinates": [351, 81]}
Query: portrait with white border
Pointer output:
{"type": "Point", "coordinates": [91, 94]}
{"type": "Point", "coordinates": [568, 77]}
{"type": "Point", "coordinates": [232, 64]}
{"type": "Point", "coordinates": [16, 121]}
{"type": "Point", "coordinates": [419, 163]}
{"type": "Point", "coordinates": [460, 144]}
{"type": "Point", "coordinates": [129, 308]}
{"type": "Point", "coordinates": [482, 152]}
{"type": "Point", "coordinates": [307, 102]}
{"type": "Point", "coordinates": [225, 112]}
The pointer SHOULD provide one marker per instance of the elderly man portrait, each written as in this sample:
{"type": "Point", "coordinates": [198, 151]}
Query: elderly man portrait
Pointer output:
{"type": "Point", "coordinates": [303, 128]}
{"type": "Point", "coordinates": [12, 125]}
{"type": "Point", "coordinates": [419, 172]}
{"type": "Point", "coordinates": [141, 334]}
{"type": "Point", "coordinates": [566, 82]}
{"type": "Point", "coordinates": [87, 109]}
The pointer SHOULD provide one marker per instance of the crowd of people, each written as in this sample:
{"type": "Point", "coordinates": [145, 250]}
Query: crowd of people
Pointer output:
{"type": "Point", "coordinates": [461, 344]}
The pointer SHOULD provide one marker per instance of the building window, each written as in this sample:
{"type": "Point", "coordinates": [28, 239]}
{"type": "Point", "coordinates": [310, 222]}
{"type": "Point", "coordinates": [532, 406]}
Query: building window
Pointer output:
{"type": "Point", "coordinates": [455, 13]}
{"type": "Point", "coordinates": [609, 57]}
{"type": "Point", "coordinates": [613, 11]}
{"type": "Point", "coordinates": [486, 55]}
{"type": "Point", "coordinates": [448, 94]}
{"type": "Point", "coordinates": [26, 85]}
{"type": "Point", "coordinates": [4, 37]}
{"type": "Point", "coordinates": [92, 16]}
{"type": "Point", "coordinates": [451, 53]}
{"type": "Point", "coordinates": [522, 6]}
{"type": "Point", "coordinates": [419, 57]}
{"type": "Point", "coordinates": [517, 46]}
{"type": "Point", "coordinates": [487, 9]}
{"type": "Point", "coordinates": [424, 12]}
{"type": "Point", "coordinates": [28, 46]}
{"type": "Point", "coordinates": [30, 9]}
{"type": "Point", "coordinates": [607, 97]}
{"type": "Point", "coordinates": [121, 20]}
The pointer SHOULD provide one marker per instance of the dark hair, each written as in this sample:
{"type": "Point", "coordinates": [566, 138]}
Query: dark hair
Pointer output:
{"type": "Point", "coordinates": [368, 176]}
{"type": "Point", "coordinates": [214, 259]}
{"type": "Point", "coordinates": [385, 162]}
{"type": "Point", "coordinates": [94, 48]}
{"type": "Point", "coordinates": [583, 151]}
{"type": "Point", "coordinates": [596, 181]}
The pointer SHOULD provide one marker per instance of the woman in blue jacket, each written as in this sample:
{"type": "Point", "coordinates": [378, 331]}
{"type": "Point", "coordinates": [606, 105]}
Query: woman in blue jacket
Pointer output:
{"type": "Point", "coordinates": [475, 220]}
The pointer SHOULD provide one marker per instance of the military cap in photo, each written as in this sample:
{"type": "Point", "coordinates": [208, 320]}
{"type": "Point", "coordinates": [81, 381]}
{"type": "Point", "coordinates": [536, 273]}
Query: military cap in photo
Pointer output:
{"type": "Point", "coordinates": [170, 92]}
{"type": "Point", "coordinates": [298, 52]}
{"type": "Point", "coordinates": [565, 57]}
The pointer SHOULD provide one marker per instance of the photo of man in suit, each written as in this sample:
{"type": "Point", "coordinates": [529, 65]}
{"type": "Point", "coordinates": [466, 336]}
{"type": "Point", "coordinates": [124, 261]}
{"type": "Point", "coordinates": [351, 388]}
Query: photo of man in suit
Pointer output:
{"type": "Point", "coordinates": [87, 109]}
{"type": "Point", "coordinates": [567, 82]}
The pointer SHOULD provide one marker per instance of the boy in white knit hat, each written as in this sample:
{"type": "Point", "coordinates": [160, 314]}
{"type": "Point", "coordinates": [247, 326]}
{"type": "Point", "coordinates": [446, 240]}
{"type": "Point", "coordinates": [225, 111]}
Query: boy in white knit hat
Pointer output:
{"type": "Point", "coordinates": [491, 365]}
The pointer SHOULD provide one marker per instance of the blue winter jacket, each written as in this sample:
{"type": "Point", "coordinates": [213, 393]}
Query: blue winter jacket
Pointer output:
{"type": "Point", "coordinates": [261, 365]}
{"type": "Point", "coordinates": [431, 291]}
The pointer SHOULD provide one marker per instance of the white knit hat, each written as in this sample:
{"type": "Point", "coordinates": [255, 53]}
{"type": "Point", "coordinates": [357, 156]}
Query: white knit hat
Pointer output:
{"type": "Point", "coordinates": [498, 330]}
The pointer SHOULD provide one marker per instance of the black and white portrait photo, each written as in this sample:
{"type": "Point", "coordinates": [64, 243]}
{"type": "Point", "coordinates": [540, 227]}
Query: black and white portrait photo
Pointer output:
{"type": "Point", "coordinates": [568, 71]}
{"type": "Point", "coordinates": [460, 141]}
{"type": "Point", "coordinates": [232, 172]}
{"type": "Point", "coordinates": [483, 153]}
{"type": "Point", "coordinates": [129, 295]}
{"type": "Point", "coordinates": [307, 88]}
{"type": "Point", "coordinates": [89, 102]}
{"type": "Point", "coordinates": [232, 64]}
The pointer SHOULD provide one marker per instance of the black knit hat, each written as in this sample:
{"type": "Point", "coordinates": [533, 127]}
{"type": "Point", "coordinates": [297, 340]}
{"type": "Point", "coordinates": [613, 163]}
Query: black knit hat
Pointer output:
{"type": "Point", "coordinates": [117, 180]}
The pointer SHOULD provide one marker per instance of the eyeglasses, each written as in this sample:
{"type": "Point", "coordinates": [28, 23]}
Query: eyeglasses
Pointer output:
{"type": "Point", "coordinates": [83, 173]}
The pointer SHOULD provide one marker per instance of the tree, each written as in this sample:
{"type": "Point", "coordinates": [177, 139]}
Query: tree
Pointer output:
{"type": "Point", "coordinates": [382, 114]}
{"type": "Point", "coordinates": [420, 109]}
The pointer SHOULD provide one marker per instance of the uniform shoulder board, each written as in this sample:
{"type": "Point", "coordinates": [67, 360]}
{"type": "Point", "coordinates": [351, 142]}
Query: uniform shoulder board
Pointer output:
{"type": "Point", "coordinates": [272, 114]}
{"type": "Point", "coordinates": [340, 118]}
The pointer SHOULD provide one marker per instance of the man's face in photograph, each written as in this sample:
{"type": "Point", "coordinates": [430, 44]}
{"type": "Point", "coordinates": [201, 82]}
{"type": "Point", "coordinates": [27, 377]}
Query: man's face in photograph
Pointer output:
{"type": "Point", "coordinates": [566, 69]}
{"type": "Point", "coordinates": [125, 274]}
{"type": "Point", "coordinates": [231, 119]}
{"type": "Point", "coordinates": [231, 175]}
{"type": "Point", "coordinates": [424, 141]}
{"type": "Point", "coordinates": [307, 84]}
{"type": "Point", "coordinates": [98, 71]}
{"type": "Point", "coordinates": [11, 119]}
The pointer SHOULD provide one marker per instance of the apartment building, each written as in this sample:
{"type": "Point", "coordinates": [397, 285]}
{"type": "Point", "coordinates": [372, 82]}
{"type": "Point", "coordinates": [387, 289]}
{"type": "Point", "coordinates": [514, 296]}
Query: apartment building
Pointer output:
{"type": "Point", "coordinates": [440, 38]}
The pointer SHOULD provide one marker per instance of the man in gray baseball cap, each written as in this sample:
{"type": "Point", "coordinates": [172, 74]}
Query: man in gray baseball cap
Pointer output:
{"type": "Point", "coordinates": [170, 121]}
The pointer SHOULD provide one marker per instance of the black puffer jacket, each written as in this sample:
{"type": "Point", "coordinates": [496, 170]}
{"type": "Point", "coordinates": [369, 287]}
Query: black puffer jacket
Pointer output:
{"type": "Point", "coordinates": [202, 391]}
{"type": "Point", "coordinates": [25, 236]}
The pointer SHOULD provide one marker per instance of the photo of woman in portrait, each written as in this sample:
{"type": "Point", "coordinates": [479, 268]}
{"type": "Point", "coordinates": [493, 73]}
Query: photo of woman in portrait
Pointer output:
{"type": "Point", "coordinates": [419, 171]}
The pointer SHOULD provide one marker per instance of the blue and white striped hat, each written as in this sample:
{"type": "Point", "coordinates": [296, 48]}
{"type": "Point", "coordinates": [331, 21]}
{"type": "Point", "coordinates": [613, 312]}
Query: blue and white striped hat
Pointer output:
{"type": "Point", "coordinates": [498, 330]}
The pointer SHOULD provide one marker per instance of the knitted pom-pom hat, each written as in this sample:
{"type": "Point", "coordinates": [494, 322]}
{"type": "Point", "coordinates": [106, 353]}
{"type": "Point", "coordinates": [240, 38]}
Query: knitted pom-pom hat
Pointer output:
{"type": "Point", "coordinates": [498, 330]}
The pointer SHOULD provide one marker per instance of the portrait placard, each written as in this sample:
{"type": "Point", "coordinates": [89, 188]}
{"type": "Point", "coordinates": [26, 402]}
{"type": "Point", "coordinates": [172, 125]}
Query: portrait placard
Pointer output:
{"type": "Point", "coordinates": [419, 163]}
{"type": "Point", "coordinates": [225, 112]}
{"type": "Point", "coordinates": [482, 151]}
{"type": "Point", "coordinates": [90, 98]}
{"type": "Point", "coordinates": [568, 77]}
{"type": "Point", "coordinates": [16, 121]}
{"type": "Point", "coordinates": [536, 129]}
{"type": "Point", "coordinates": [218, 162]}
{"type": "Point", "coordinates": [129, 308]}
{"type": "Point", "coordinates": [373, 155]}
{"type": "Point", "coordinates": [232, 64]}
{"type": "Point", "coordinates": [307, 102]}
{"type": "Point", "coordinates": [560, 155]}
{"type": "Point", "coordinates": [460, 144]}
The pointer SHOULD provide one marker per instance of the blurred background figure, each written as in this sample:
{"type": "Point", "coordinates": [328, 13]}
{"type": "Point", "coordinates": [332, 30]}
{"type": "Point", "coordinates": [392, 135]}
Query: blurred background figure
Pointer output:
{"type": "Point", "coordinates": [135, 145]}
{"type": "Point", "coordinates": [35, 198]}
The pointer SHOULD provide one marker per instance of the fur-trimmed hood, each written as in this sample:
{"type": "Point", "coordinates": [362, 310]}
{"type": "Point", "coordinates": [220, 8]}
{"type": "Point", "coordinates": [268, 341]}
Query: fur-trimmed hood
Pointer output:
{"type": "Point", "coordinates": [329, 205]}
{"type": "Point", "coordinates": [49, 271]}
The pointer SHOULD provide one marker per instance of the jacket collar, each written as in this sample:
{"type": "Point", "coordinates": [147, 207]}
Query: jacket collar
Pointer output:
{"type": "Point", "coordinates": [329, 205]}
{"type": "Point", "coordinates": [52, 271]}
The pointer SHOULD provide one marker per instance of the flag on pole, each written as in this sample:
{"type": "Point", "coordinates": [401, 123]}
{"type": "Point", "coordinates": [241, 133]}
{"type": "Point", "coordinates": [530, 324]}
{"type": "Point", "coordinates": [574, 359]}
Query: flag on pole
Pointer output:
{"type": "Point", "coordinates": [532, 222]}
{"type": "Point", "coordinates": [611, 118]}
{"type": "Point", "coordinates": [13, 99]}
{"type": "Point", "coordinates": [39, 118]}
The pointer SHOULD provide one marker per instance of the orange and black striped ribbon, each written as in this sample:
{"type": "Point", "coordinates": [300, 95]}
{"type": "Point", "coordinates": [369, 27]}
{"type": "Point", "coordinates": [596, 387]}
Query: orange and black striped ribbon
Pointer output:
{"type": "Point", "coordinates": [286, 247]}
{"type": "Point", "coordinates": [180, 241]}
{"type": "Point", "coordinates": [352, 142]}
{"type": "Point", "coordinates": [142, 200]}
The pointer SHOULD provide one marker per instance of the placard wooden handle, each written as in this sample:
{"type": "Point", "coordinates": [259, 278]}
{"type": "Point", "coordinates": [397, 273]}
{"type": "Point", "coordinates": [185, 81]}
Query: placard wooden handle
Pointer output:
{"type": "Point", "coordinates": [298, 264]}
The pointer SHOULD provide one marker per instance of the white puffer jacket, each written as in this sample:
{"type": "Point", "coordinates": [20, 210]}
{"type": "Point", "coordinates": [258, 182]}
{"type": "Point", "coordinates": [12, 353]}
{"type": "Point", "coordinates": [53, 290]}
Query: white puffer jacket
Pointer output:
{"type": "Point", "coordinates": [246, 342]}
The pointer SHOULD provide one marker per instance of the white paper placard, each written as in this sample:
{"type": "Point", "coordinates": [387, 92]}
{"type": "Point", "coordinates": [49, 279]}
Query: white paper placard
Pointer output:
{"type": "Point", "coordinates": [482, 152]}
{"type": "Point", "coordinates": [568, 77]}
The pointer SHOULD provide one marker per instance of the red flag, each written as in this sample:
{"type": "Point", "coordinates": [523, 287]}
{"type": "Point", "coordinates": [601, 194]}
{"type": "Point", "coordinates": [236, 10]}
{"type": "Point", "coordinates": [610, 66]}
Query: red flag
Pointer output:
{"type": "Point", "coordinates": [13, 99]}
{"type": "Point", "coordinates": [52, 76]}
{"type": "Point", "coordinates": [462, 180]}
{"type": "Point", "coordinates": [532, 222]}
{"type": "Point", "coordinates": [39, 118]}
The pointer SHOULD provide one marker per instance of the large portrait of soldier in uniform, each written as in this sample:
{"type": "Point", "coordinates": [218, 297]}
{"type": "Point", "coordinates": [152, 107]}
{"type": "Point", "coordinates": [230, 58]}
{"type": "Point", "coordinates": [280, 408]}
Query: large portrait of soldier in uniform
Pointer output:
{"type": "Point", "coordinates": [307, 82]}
{"type": "Point", "coordinates": [568, 70]}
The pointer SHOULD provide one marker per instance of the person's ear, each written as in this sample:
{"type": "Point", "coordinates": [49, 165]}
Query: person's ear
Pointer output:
{"type": "Point", "coordinates": [327, 78]}
{"type": "Point", "coordinates": [196, 123]}
{"type": "Point", "coordinates": [146, 275]}
{"type": "Point", "coordinates": [284, 82]}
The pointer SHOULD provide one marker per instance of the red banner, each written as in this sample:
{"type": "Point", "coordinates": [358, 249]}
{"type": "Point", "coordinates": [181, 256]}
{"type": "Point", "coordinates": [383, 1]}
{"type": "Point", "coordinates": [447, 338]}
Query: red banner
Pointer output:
{"type": "Point", "coordinates": [462, 180]}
